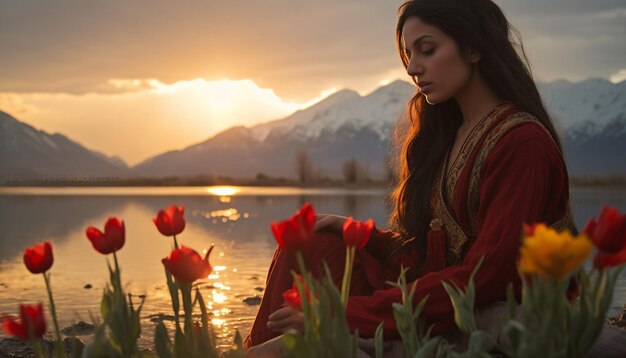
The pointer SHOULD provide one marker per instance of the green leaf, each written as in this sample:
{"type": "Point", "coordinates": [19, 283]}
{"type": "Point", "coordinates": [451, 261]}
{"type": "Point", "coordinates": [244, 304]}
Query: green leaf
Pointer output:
{"type": "Point", "coordinates": [162, 341]}
{"type": "Point", "coordinates": [429, 349]}
{"type": "Point", "coordinates": [180, 346]}
{"type": "Point", "coordinates": [378, 341]}
{"type": "Point", "coordinates": [207, 340]}
{"type": "Point", "coordinates": [479, 343]}
{"type": "Point", "coordinates": [173, 288]}
{"type": "Point", "coordinates": [105, 305]}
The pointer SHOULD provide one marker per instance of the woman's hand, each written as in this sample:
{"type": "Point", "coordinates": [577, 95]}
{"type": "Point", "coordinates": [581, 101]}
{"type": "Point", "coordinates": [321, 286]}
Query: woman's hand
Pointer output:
{"type": "Point", "coordinates": [332, 223]}
{"type": "Point", "coordinates": [286, 318]}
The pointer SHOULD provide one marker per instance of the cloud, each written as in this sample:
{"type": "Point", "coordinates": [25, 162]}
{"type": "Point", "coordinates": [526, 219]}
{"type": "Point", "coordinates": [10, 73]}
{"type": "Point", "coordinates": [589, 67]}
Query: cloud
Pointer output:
{"type": "Point", "coordinates": [298, 48]}
{"type": "Point", "coordinates": [571, 40]}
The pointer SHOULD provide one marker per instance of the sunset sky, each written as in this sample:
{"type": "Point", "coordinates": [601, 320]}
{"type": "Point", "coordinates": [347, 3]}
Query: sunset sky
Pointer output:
{"type": "Point", "coordinates": [136, 78]}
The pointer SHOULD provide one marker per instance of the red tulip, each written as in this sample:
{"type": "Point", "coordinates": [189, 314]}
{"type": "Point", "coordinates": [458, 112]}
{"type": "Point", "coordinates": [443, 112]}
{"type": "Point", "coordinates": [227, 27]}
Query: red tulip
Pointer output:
{"type": "Point", "coordinates": [608, 234]}
{"type": "Point", "coordinates": [609, 260]}
{"type": "Point", "coordinates": [187, 265]}
{"type": "Point", "coordinates": [292, 296]}
{"type": "Point", "coordinates": [296, 232]}
{"type": "Point", "coordinates": [111, 240]}
{"type": "Point", "coordinates": [31, 319]}
{"type": "Point", "coordinates": [170, 221]}
{"type": "Point", "coordinates": [357, 233]}
{"type": "Point", "coordinates": [38, 258]}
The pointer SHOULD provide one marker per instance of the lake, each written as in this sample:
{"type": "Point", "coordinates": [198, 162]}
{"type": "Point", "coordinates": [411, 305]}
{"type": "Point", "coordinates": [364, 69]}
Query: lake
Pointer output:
{"type": "Point", "coordinates": [235, 219]}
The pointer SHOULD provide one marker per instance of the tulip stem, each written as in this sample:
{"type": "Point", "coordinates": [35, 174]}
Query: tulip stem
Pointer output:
{"type": "Point", "coordinates": [185, 290]}
{"type": "Point", "coordinates": [53, 311]}
{"type": "Point", "coordinates": [124, 339]}
{"type": "Point", "coordinates": [175, 243]}
{"type": "Point", "coordinates": [37, 346]}
{"type": "Point", "coordinates": [347, 275]}
{"type": "Point", "coordinates": [601, 289]}
{"type": "Point", "coordinates": [117, 266]}
{"type": "Point", "coordinates": [117, 276]}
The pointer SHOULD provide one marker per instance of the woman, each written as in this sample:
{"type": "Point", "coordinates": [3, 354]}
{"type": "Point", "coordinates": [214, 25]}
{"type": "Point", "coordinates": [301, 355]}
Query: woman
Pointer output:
{"type": "Point", "coordinates": [481, 159]}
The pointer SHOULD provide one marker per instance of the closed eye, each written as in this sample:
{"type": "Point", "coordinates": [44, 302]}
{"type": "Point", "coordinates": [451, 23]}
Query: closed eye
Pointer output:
{"type": "Point", "coordinates": [428, 52]}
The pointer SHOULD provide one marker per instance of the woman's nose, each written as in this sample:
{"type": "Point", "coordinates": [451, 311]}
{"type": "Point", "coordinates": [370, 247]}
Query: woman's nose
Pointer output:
{"type": "Point", "coordinates": [414, 68]}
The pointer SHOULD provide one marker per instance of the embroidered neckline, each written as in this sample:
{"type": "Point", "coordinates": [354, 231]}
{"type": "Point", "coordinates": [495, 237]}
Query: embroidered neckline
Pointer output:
{"type": "Point", "coordinates": [451, 174]}
{"type": "Point", "coordinates": [466, 140]}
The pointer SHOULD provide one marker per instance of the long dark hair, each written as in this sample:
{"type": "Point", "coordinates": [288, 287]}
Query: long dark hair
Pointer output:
{"type": "Point", "coordinates": [481, 26]}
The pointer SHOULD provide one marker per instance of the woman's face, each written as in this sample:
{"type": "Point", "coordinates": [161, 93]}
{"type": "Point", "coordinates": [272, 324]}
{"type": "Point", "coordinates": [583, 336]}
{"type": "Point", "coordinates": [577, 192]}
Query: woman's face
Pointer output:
{"type": "Point", "coordinates": [436, 62]}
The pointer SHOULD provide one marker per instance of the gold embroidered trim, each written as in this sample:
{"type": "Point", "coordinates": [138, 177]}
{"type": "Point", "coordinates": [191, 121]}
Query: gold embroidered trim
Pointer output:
{"type": "Point", "coordinates": [435, 224]}
{"type": "Point", "coordinates": [453, 231]}
{"type": "Point", "coordinates": [468, 147]}
{"type": "Point", "coordinates": [455, 236]}
{"type": "Point", "coordinates": [490, 142]}
{"type": "Point", "coordinates": [566, 222]}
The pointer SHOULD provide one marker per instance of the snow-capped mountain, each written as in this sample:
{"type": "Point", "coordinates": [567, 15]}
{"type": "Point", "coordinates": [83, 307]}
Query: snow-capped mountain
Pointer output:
{"type": "Point", "coordinates": [343, 126]}
{"type": "Point", "coordinates": [28, 152]}
{"type": "Point", "coordinates": [377, 111]}
{"type": "Point", "coordinates": [590, 115]}
{"type": "Point", "coordinates": [586, 107]}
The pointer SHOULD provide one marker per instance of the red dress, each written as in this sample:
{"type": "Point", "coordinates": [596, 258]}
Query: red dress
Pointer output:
{"type": "Point", "coordinates": [508, 172]}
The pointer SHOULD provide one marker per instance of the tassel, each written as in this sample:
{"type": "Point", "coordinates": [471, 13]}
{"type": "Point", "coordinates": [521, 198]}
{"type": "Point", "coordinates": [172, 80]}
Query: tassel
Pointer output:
{"type": "Point", "coordinates": [436, 249]}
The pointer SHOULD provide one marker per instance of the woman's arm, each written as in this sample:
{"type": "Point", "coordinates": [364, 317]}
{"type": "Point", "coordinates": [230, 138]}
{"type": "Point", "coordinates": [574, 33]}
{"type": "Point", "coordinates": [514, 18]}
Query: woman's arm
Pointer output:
{"type": "Point", "coordinates": [523, 180]}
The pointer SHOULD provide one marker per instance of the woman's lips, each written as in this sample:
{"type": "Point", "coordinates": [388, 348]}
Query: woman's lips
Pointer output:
{"type": "Point", "coordinates": [425, 87]}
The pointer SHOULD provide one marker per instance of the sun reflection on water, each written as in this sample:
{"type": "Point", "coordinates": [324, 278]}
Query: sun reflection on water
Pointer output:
{"type": "Point", "coordinates": [222, 286]}
{"type": "Point", "coordinates": [218, 322]}
{"type": "Point", "coordinates": [228, 214]}
{"type": "Point", "coordinates": [218, 297]}
{"type": "Point", "coordinates": [223, 190]}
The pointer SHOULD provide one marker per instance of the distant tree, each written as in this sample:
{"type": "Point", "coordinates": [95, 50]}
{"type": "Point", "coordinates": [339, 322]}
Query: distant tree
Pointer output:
{"type": "Point", "coordinates": [349, 170]}
{"type": "Point", "coordinates": [354, 171]}
{"type": "Point", "coordinates": [304, 167]}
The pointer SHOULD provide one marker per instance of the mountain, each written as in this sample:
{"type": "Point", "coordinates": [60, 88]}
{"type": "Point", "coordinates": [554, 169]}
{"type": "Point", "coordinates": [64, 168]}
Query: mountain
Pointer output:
{"type": "Point", "coordinates": [343, 126]}
{"type": "Point", "coordinates": [26, 152]}
{"type": "Point", "coordinates": [594, 102]}
{"type": "Point", "coordinates": [590, 116]}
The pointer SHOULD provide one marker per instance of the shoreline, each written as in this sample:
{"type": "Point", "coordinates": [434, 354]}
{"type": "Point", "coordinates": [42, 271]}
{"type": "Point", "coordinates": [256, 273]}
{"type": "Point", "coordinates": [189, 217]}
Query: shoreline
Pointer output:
{"type": "Point", "coordinates": [609, 183]}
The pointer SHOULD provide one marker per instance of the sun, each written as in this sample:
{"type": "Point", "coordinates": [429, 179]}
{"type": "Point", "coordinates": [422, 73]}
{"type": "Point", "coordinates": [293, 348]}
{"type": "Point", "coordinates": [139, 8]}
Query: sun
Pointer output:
{"type": "Point", "coordinates": [221, 94]}
{"type": "Point", "coordinates": [223, 190]}
{"type": "Point", "coordinates": [217, 97]}
{"type": "Point", "coordinates": [203, 107]}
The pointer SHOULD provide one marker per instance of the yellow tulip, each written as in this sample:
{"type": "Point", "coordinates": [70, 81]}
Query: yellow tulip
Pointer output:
{"type": "Point", "coordinates": [549, 253]}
